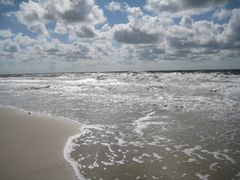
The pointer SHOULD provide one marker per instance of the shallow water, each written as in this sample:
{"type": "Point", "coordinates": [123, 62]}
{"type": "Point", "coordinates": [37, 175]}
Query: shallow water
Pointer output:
{"type": "Point", "coordinates": [141, 125]}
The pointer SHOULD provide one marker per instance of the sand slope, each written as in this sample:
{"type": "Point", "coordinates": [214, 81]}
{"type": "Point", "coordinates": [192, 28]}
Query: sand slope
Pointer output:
{"type": "Point", "coordinates": [31, 146]}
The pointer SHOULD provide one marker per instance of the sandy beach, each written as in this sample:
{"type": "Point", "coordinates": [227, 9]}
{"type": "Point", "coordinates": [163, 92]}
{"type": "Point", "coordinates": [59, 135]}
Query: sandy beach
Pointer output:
{"type": "Point", "coordinates": [31, 146]}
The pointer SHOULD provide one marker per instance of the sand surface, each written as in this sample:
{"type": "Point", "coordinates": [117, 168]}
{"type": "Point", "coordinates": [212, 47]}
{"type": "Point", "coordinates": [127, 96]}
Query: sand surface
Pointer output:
{"type": "Point", "coordinates": [31, 146]}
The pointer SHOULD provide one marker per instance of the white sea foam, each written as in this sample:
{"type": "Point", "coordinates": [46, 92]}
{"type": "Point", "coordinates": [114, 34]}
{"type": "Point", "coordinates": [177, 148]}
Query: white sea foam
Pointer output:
{"type": "Point", "coordinates": [183, 175]}
{"type": "Point", "coordinates": [143, 122]}
{"type": "Point", "coordinates": [190, 160]}
{"type": "Point", "coordinates": [137, 160]}
{"type": "Point", "coordinates": [180, 146]}
{"type": "Point", "coordinates": [202, 177]}
{"type": "Point", "coordinates": [68, 148]}
{"type": "Point", "coordinates": [220, 155]}
{"type": "Point", "coordinates": [157, 156]}
{"type": "Point", "coordinates": [109, 148]}
{"type": "Point", "coordinates": [147, 117]}
{"type": "Point", "coordinates": [121, 141]}
{"type": "Point", "coordinates": [164, 167]}
{"type": "Point", "coordinates": [94, 165]}
{"type": "Point", "coordinates": [190, 151]}
{"type": "Point", "coordinates": [107, 163]}
{"type": "Point", "coordinates": [213, 165]}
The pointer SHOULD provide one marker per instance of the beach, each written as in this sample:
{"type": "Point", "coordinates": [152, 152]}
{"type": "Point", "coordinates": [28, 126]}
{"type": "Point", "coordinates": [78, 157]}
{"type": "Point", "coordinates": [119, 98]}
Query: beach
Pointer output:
{"type": "Point", "coordinates": [32, 146]}
{"type": "Point", "coordinates": [147, 125]}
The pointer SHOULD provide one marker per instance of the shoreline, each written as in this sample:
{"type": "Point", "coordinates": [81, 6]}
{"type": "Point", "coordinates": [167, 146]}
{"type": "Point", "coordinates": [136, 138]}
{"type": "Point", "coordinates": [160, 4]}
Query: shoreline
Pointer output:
{"type": "Point", "coordinates": [234, 70]}
{"type": "Point", "coordinates": [33, 146]}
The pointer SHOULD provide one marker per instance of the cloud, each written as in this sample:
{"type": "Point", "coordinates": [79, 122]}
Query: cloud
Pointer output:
{"type": "Point", "coordinates": [153, 38]}
{"type": "Point", "coordinates": [22, 48]}
{"type": "Point", "coordinates": [221, 14]}
{"type": "Point", "coordinates": [186, 21]}
{"type": "Point", "coordinates": [36, 15]}
{"type": "Point", "coordinates": [133, 36]}
{"type": "Point", "coordinates": [181, 7]}
{"type": "Point", "coordinates": [31, 14]}
{"type": "Point", "coordinates": [124, 8]}
{"type": "Point", "coordinates": [74, 11]}
{"type": "Point", "coordinates": [141, 29]}
{"type": "Point", "coordinates": [60, 28]}
{"type": "Point", "coordinates": [114, 6]}
{"type": "Point", "coordinates": [231, 36]}
{"type": "Point", "coordinates": [194, 35]}
{"type": "Point", "coordinates": [9, 46]}
{"type": "Point", "coordinates": [82, 31]}
{"type": "Point", "coordinates": [6, 2]}
{"type": "Point", "coordinates": [23, 40]}
{"type": "Point", "coordinates": [149, 53]}
{"type": "Point", "coordinates": [76, 31]}
{"type": "Point", "coordinates": [204, 37]}
{"type": "Point", "coordinates": [6, 33]}
{"type": "Point", "coordinates": [134, 11]}
{"type": "Point", "coordinates": [145, 37]}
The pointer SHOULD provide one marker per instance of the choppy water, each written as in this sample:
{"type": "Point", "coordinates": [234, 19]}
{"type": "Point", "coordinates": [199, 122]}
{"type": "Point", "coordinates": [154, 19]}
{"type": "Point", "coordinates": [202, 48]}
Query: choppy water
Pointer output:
{"type": "Point", "coordinates": [141, 125]}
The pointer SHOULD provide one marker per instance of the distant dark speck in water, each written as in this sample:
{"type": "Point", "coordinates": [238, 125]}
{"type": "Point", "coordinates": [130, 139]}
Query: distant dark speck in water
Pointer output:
{"type": "Point", "coordinates": [29, 113]}
{"type": "Point", "coordinates": [213, 90]}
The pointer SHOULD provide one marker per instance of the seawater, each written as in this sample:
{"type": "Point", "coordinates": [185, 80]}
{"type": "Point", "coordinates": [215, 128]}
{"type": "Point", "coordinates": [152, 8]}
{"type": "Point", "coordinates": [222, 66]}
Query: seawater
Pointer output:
{"type": "Point", "coordinates": [141, 125]}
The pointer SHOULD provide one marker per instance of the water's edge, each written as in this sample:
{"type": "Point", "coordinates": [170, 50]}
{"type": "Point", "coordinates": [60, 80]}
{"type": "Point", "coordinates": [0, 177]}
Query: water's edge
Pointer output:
{"type": "Point", "coordinates": [68, 148]}
{"type": "Point", "coordinates": [69, 145]}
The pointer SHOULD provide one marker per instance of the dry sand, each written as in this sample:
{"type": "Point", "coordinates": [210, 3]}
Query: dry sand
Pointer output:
{"type": "Point", "coordinates": [31, 146]}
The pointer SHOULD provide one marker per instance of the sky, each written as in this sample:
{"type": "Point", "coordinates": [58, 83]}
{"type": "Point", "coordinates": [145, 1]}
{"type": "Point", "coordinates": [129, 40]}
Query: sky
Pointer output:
{"type": "Point", "coordinates": [121, 35]}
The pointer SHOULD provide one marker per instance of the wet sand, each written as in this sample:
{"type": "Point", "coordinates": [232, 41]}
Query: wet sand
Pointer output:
{"type": "Point", "coordinates": [31, 146]}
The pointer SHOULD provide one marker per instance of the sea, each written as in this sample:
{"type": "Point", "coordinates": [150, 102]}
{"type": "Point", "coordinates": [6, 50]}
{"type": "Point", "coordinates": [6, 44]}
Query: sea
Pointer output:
{"type": "Point", "coordinates": [140, 125]}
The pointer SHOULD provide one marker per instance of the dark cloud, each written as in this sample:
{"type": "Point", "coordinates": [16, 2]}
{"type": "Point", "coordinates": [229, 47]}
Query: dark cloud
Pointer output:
{"type": "Point", "coordinates": [6, 2]}
{"type": "Point", "coordinates": [181, 6]}
{"type": "Point", "coordinates": [231, 35]}
{"type": "Point", "coordinates": [52, 50]}
{"type": "Point", "coordinates": [200, 3]}
{"type": "Point", "coordinates": [84, 31]}
{"type": "Point", "coordinates": [134, 36]}
{"type": "Point", "coordinates": [11, 48]}
{"type": "Point", "coordinates": [75, 15]}
{"type": "Point", "coordinates": [78, 11]}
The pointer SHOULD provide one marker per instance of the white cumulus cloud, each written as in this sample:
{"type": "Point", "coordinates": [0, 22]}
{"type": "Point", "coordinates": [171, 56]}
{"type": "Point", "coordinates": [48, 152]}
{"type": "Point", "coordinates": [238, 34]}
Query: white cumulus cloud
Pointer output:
{"type": "Point", "coordinates": [114, 6]}
{"type": "Point", "coordinates": [36, 15]}
{"type": "Point", "coordinates": [5, 33]}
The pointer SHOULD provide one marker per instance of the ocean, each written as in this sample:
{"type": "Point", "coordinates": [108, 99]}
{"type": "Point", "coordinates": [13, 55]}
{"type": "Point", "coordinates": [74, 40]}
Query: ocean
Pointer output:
{"type": "Point", "coordinates": [147, 125]}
